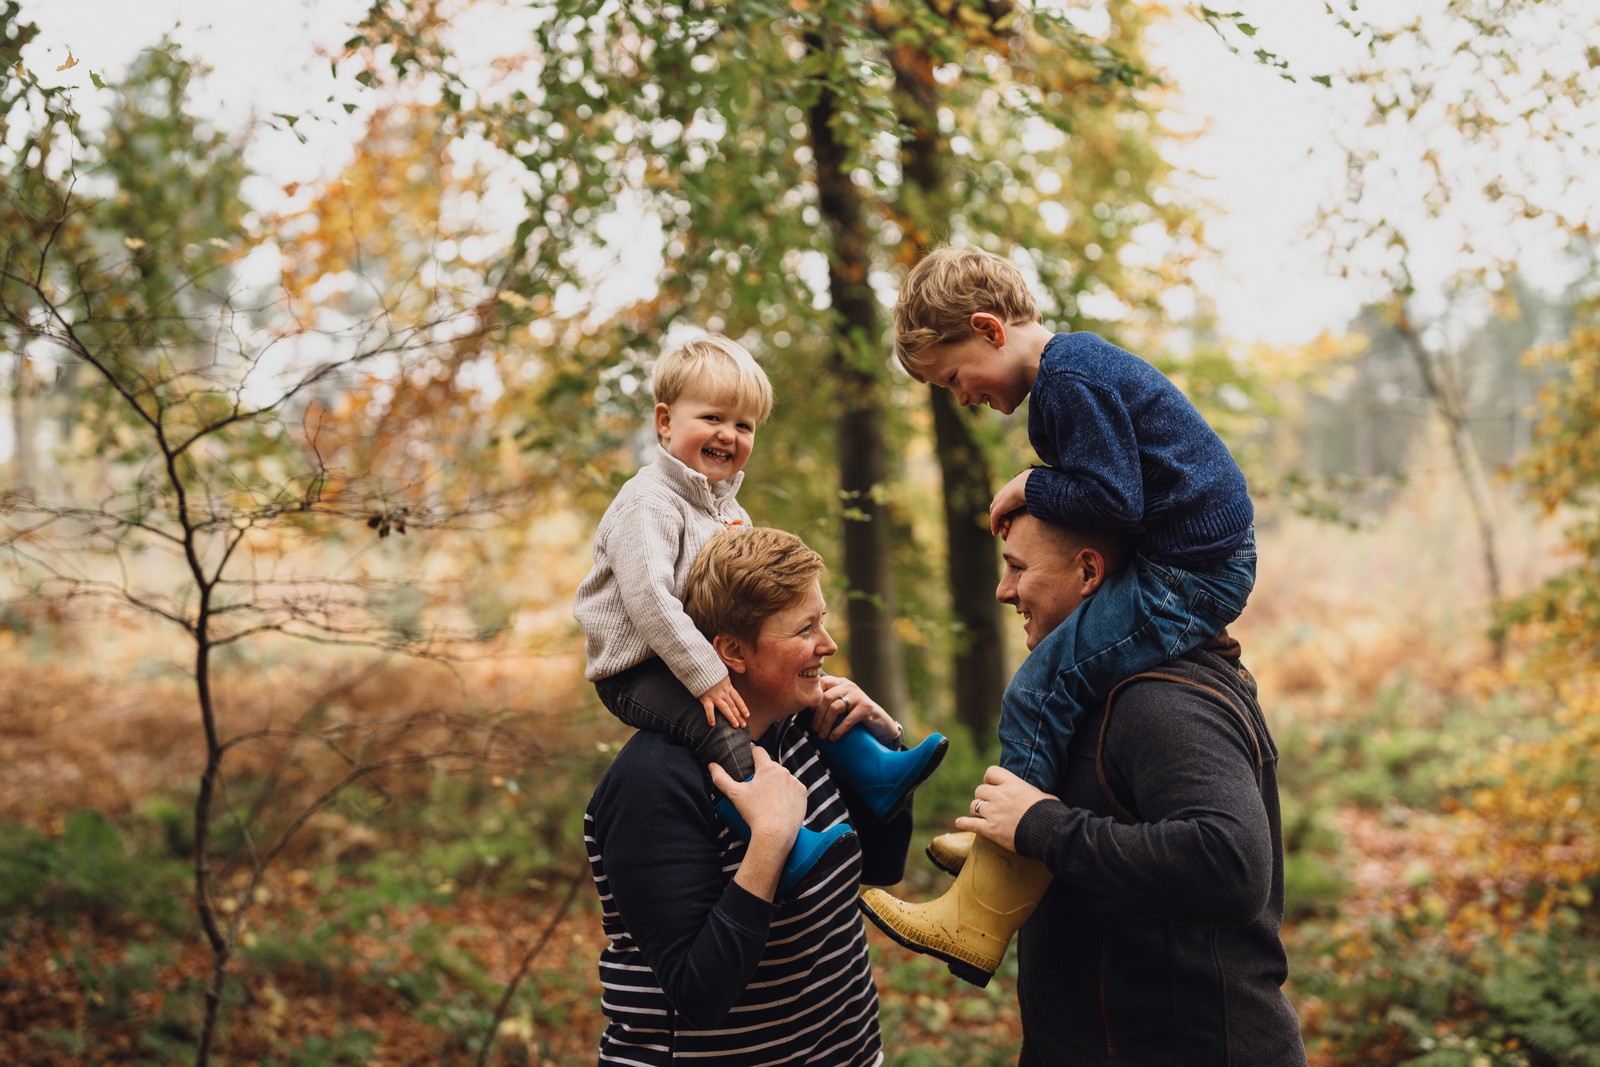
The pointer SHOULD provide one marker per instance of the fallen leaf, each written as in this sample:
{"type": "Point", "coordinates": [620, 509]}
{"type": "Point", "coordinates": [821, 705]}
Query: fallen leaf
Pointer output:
{"type": "Point", "coordinates": [72, 61]}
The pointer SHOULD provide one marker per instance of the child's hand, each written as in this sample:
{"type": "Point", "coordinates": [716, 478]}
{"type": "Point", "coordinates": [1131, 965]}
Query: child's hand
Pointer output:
{"type": "Point", "coordinates": [724, 698]}
{"type": "Point", "coordinates": [1012, 495]}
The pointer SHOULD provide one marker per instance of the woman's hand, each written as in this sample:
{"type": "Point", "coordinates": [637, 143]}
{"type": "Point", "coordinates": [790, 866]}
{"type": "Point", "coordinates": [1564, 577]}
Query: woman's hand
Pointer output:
{"type": "Point", "coordinates": [998, 806]}
{"type": "Point", "coordinates": [773, 804]}
{"type": "Point", "coordinates": [846, 705]}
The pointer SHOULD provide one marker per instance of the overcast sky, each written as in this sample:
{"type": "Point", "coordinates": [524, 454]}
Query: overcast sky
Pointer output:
{"type": "Point", "coordinates": [1251, 158]}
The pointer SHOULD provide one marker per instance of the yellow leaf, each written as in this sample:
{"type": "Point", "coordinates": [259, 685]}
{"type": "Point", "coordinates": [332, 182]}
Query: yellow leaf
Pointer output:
{"type": "Point", "coordinates": [133, 244]}
{"type": "Point", "coordinates": [72, 61]}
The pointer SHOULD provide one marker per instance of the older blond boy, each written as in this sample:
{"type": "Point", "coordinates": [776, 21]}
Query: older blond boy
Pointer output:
{"type": "Point", "coordinates": [1123, 451]}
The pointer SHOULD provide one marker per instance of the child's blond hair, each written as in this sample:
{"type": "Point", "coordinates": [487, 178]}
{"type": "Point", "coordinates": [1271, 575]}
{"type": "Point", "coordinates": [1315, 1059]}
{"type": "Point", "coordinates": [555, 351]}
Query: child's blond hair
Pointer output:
{"type": "Point", "coordinates": [718, 365]}
{"type": "Point", "coordinates": [942, 293]}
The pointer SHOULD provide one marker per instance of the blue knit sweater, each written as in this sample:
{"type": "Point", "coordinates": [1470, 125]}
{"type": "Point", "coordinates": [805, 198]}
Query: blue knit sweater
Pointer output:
{"type": "Point", "coordinates": [1125, 449]}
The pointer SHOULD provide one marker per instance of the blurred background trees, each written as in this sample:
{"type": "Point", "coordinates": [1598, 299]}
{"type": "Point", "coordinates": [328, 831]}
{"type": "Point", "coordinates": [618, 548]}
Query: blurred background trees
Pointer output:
{"type": "Point", "coordinates": [378, 407]}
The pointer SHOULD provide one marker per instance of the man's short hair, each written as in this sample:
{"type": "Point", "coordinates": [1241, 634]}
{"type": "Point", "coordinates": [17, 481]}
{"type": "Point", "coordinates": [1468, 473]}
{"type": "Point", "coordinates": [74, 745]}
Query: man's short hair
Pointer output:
{"type": "Point", "coordinates": [1114, 545]}
{"type": "Point", "coordinates": [719, 365]}
{"type": "Point", "coordinates": [743, 577]}
{"type": "Point", "coordinates": [942, 293]}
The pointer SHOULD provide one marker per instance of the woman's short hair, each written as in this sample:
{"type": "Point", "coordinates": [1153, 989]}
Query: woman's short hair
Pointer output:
{"type": "Point", "coordinates": [743, 577]}
{"type": "Point", "coordinates": [721, 367]}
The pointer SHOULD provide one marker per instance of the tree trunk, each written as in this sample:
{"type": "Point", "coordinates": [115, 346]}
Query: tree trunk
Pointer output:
{"type": "Point", "coordinates": [874, 650]}
{"type": "Point", "coordinates": [971, 570]}
{"type": "Point", "coordinates": [971, 565]}
{"type": "Point", "coordinates": [1448, 396]}
{"type": "Point", "coordinates": [22, 427]}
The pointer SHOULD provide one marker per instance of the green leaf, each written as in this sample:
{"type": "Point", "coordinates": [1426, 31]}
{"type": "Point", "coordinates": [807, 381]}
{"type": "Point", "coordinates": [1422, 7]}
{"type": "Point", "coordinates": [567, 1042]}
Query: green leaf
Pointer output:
{"type": "Point", "coordinates": [1246, 29]}
{"type": "Point", "coordinates": [95, 80]}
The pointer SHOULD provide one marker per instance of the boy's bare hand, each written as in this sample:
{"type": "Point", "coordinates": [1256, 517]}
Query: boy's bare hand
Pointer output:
{"type": "Point", "coordinates": [1012, 495]}
{"type": "Point", "coordinates": [724, 698]}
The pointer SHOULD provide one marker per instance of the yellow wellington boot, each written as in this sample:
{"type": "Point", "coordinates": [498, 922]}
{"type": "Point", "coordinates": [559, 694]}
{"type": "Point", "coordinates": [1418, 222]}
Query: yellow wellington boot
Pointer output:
{"type": "Point", "coordinates": [971, 925]}
{"type": "Point", "coordinates": [949, 851]}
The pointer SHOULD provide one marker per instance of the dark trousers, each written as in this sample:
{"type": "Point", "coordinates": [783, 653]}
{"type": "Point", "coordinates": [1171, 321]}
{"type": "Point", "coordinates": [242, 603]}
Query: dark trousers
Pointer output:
{"type": "Point", "coordinates": [650, 697]}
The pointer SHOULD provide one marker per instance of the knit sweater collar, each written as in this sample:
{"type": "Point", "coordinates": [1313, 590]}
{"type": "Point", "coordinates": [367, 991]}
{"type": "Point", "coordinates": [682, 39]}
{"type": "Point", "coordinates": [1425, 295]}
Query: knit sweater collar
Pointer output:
{"type": "Point", "coordinates": [693, 485]}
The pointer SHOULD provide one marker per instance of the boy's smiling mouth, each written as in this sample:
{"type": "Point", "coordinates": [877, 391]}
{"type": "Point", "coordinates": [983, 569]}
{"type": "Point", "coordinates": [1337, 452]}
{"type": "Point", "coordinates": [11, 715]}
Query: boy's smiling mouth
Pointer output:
{"type": "Point", "coordinates": [720, 457]}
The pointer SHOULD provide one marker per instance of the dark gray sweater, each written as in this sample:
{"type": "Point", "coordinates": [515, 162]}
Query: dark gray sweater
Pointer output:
{"type": "Point", "coordinates": [1158, 942]}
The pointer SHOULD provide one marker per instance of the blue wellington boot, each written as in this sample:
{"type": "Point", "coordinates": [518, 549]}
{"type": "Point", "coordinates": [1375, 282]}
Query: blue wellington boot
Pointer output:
{"type": "Point", "coordinates": [815, 852]}
{"type": "Point", "coordinates": [883, 777]}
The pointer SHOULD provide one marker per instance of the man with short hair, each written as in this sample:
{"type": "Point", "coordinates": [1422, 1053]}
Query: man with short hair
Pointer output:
{"type": "Point", "coordinates": [1157, 942]}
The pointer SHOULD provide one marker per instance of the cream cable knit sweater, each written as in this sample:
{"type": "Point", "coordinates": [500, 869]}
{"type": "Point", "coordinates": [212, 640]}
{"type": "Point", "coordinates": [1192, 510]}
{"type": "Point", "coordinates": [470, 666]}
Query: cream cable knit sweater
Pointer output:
{"type": "Point", "coordinates": [629, 606]}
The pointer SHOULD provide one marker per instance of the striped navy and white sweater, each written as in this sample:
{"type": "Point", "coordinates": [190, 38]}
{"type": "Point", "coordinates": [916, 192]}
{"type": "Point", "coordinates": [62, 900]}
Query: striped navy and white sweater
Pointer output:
{"type": "Point", "coordinates": [698, 968]}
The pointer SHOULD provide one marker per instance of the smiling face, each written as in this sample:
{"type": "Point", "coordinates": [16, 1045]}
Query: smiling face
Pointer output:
{"type": "Point", "coordinates": [709, 434]}
{"type": "Point", "coordinates": [1047, 575]}
{"type": "Point", "coordinates": [783, 670]}
{"type": "Point", "coordinates": [981, 368]}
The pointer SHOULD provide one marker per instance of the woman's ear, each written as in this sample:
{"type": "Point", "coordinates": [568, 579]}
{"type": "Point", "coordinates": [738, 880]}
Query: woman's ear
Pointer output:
{"type": "Point", "coordinates": [732, 652]}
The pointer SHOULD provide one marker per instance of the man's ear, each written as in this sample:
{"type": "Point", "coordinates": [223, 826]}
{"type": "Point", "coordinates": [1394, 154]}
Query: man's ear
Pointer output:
{"type": "Point", "coordinates": [732, 651]}
{"type": "Point", "coordinates": [989, 326]}
{"type": "Point", "coordinates": [1092, 568]}
{"type": "Point", "coordinates": [663, 420]}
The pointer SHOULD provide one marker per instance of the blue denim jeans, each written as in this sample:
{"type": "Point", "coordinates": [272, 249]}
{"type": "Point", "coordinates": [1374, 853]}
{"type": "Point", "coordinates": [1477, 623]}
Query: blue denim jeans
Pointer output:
{"type": "Point", "coordinates": [650, 697]}
{"type": "Point", "coordinates": [1145, 614]}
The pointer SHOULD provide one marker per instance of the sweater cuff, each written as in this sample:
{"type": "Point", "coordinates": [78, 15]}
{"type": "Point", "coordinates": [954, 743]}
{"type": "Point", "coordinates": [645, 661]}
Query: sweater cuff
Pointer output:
{"type": "Point", "coordinates": [1037, 826]}
{"type": "Point", "coordinates": [746, 910]}
{"type": "Point", "coordinates": [698, 676]}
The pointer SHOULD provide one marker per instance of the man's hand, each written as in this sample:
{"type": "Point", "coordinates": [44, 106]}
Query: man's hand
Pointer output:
{"type": "Point", "coordinates": [1000, 803]}
{"type": "Point", "coordinates": [1012, 495]}
{"type": "Point", "coordinates": [724, 698]}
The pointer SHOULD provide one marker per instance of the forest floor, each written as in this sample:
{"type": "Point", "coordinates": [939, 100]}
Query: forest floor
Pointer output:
{"type": "Point", "coordinates": [388, 933]}
{"type": "Point", "coordinates": [390, 928]}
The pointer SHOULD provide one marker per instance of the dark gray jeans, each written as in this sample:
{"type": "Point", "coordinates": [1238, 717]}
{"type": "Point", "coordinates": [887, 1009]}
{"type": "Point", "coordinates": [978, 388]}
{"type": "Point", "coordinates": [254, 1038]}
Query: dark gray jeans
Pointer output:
{"type": "Point", "coordinates": [650, 697]}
